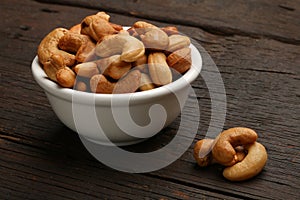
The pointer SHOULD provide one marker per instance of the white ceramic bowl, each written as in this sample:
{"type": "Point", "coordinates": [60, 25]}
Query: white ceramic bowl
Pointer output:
{"type": "Point", "coordinates": [119, 119]}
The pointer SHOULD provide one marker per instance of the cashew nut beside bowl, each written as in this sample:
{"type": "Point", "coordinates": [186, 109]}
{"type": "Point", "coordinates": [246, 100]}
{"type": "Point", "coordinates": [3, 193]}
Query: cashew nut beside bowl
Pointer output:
{"type": "Point", "coordinates": [250, 166]}
{"type": "Point", "coordinates": [236, 149]}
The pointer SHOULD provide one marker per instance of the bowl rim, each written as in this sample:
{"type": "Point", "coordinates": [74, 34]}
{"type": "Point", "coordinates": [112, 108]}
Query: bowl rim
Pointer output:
{"type": "Point", "coordinates": [84, 97]}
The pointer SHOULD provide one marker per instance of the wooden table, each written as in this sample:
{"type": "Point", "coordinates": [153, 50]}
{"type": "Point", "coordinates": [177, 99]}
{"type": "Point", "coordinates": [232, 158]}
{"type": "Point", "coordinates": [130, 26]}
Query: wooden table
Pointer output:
{"type": "Point", "coordinates": [256, 47]}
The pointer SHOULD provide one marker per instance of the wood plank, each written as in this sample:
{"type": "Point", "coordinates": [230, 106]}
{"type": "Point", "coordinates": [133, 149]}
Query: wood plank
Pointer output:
{"type": "Point", "coordinates": [261, 78]}
{"type": "Point", "coordinates": [260, 18]}
{"type": "Point", "coordinates": [54, 174]}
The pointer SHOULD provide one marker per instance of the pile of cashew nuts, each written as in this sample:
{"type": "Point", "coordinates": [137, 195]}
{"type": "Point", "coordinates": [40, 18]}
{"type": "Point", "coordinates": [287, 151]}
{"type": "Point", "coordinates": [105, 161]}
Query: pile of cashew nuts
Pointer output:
{"type": "Point", "coordinates": [101, 57]}
{"type": "Point", "coordinates": [236, 149]}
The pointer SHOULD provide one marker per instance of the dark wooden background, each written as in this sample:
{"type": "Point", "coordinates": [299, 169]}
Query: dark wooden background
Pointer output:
{"type": "Point", "coordinates": [256, 46]}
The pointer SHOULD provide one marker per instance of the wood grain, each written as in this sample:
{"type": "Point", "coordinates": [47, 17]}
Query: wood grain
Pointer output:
{"type": "Point", "coordinates": [259, 18]}
{"type": "Point", "coordinates": [42, 159]}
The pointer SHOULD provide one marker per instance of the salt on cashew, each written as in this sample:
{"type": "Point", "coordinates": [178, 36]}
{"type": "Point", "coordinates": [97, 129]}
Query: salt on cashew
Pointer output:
{"type": "Point", "coordinates": [128, 46]}
{"type": "Point", "coordinates": [250, 166]}
{"type": "Point", "coordinates": [224, 148]}
{"type": "Point", "coordinates": [49, 47]}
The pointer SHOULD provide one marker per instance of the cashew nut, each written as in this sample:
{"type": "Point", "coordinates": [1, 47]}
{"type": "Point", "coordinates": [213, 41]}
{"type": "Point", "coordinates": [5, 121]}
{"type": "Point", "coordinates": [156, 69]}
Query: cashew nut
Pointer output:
{"type": "Point", "coordinates": [78, 44]}
{"type": "Point", "coordinates": [81, 86]}
{"type": "Point", "coordinates": [224, 152]}
{"type": "Point", "coordinates": [87, 69]}
{"type": "Point", "coordinates": [128, 84]}
{"type": "Point", "coordinates": [49, 47]}
{"type": "Point", "coordinates": [170, 30]}
{"type": "Point", "coordinates": [141, 64]}
{"type": "Point", "coordinates": [180, 60]}
{"type": "Point", "coordinates": [113, 66]}
{"type": "Point", "coordinates": [160, 72]}
{"type": "Point", "coordinates": [146, 83]}
{"type": "Point", "coordinates": [178, 42]}
{"type": "Point", "coordinates": [99, 84]}
{"type": "Point", "coordinates": [97, 26]}
{"type": "Point", "coordinates": [250, 166]}
{"type": "Point", "coordinates": [152, 36]}
{"type": "Point", "coordinates": [54, 63]}
{"type": "Point", "coordinates": [129, 47]}
{"type": "Point", "coordinates": [235, 148]}
{"type": "Point", "coordinates": [65, 77]}
{"type": "Point", "coordinates": [76, 28]}
{"type": "Point", "coordinates": [203, 152]}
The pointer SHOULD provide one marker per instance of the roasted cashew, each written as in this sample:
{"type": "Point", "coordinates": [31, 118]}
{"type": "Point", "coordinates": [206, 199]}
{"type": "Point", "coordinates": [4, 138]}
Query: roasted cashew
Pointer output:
{"type": "Point", "coordinates": [78, 44]}
{"type": "Point", "coordinates": [128, 84]}
{"type": "Point", "coordinates": [76, 28]}
{"type": "Point", "coordinates": [152, 36]}
{"type": "Point", "coordinates": [113, 66]}
{"type": "Point", "coordinates": [203, 152]}
{"type": "Point", "coordinates": [141, 64]}
{"type": "Point", "coordinates": [170, 30]}
{"type": "Point", "coordinates": [87, 69]}
{"type": "Point", "coordinates": [54, 63]}
{"type": "Point", "coordinates": [160, 72]}
{"type": "Point", "coordinates": [129, 47]}
{"type": "Point", "coordinates": [146, 83]}
{"type": "Point", "coordinates": [49, 47]}
{"type": "Point", "coordinates": [250, 166]}
{"type": "Point", "coordinates": [97, 26]}
{"type": "Point", "coordinates": [178, 42]}
{"type": "Point", "coordinates": [66, 77]}
{"type": "Point", "coordinates": [180, 60]}
{"type": "Point", "coordinates": [224, 148]}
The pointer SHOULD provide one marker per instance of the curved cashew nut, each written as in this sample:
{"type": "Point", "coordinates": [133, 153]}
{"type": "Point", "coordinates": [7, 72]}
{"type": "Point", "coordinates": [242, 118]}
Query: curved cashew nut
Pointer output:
{"type": "Point", "coordinates": [178, 42]}
{"type": "Point", "coordinates": [97, 26]}
{"type": "Point", "coordinates": [49, 47]}
{"type": "Point", "coordinates": [203, 153]}
{"type": "Point", "coordinates": [66, 77]}
{"type": "Point", "coordinates": [129, 47]}
{"type": "Point", "coordinates": [77, 43]}
{"type": "Point", "coordinates": [113, 66]}
{"type": "Point", "coordinates": [250, 166]}
{"type": "Point", "coordinates": [224, 148]}
{"type": "Point", "coordinates": [180, 60]}
{"type": "Point", "coordinates": [152, 36]}
{"type": "Point", "coordinates": [128, 84]}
